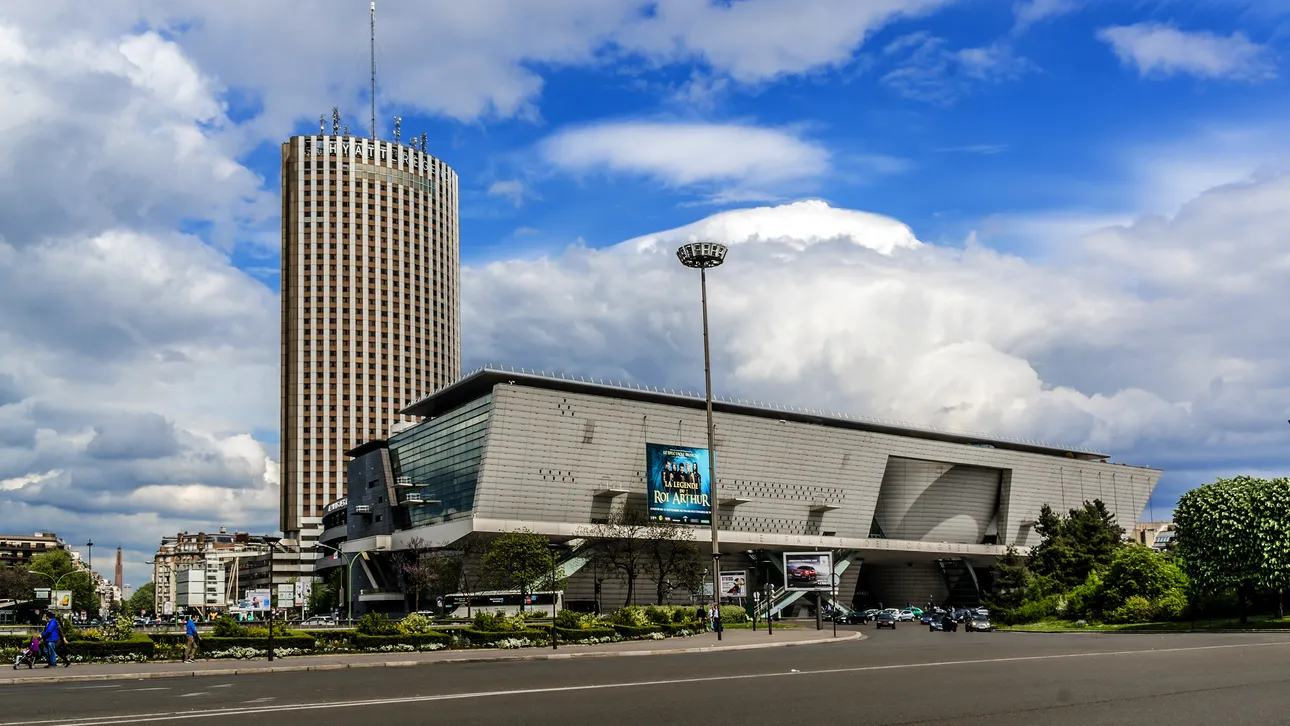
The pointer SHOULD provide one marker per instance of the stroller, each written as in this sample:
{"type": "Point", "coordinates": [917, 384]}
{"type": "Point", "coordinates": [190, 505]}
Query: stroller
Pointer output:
{"type": "Point", "coordinates": [29, 656]}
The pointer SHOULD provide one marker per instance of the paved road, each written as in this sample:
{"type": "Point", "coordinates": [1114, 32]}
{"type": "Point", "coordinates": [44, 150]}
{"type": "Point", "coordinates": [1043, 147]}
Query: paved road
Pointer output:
{"type": "Point", "coordinates": [908, 676]}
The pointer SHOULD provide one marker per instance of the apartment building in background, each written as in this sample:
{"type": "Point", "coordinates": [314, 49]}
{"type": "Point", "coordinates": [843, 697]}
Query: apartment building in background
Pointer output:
{"type": "Point", "coordinates": [17, 549]}
{"type": "Point", "coordinates": [371, 305]}
{"type": "Point", "coordinates": [203, 571]}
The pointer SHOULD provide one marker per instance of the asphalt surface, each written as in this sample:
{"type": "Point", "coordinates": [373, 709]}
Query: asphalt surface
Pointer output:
{"type": "Point", "coordinates": [908, 676]}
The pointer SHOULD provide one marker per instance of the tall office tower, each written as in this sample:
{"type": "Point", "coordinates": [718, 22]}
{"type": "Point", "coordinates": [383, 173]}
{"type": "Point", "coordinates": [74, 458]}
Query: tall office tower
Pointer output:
{"type": "Point", "coordinates": [120, 570]}
{"type": "Point", "coordinates": [370, 304]}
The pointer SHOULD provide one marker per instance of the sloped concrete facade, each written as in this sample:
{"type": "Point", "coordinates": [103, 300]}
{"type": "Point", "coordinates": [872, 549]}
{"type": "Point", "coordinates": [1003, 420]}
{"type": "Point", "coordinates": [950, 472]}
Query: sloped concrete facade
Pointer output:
{"type": "Point", "coordinates": [560, 454]}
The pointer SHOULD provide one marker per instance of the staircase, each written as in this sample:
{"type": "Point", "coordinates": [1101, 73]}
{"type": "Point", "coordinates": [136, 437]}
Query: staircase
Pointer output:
{"type": "Point", "coordinates": [782, 598]}
{"type": "Point", "coordinates": [960, 583]}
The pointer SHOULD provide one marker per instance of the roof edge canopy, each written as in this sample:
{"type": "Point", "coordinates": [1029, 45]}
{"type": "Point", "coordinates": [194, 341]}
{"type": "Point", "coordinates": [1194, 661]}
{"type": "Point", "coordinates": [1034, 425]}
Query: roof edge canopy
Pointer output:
{"type": "Point", "coordinates": [479, 382]}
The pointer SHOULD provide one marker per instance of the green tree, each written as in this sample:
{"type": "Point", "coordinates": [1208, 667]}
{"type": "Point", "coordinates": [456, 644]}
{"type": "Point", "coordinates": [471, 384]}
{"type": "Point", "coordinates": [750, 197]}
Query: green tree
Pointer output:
{"type": "Point", "coordinates": [17, 584]}
{"type": "Point", "coordinates": [1271, 533]}
{"type": "Point", "coordinates": [1138, 571]}
{"type": "Point", "coordinates": [620, 544]}
{"type": "Point", "coordinates": [56, 567]}
{"type": "Point", "coordinates": [671, 555]}
{"type": "Point", "coordinates": [1084, 540]}
{"type": "Point", "coordinates": [324, 596]}
{"type": "Point", "coordinates": [1215, 541]}
{"type": "Point", "coordinates": [1012, 582]}
{"type": "Point", "coordinates": [417, 569]}
{"type": "Point", "coordinates": [144, 599]}
{"type": "Point", "coordinates": [519, 560]}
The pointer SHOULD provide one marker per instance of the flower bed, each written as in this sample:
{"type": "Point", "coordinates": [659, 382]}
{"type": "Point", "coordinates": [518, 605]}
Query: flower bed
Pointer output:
{"type": "Point", "coordinates": [423, 641]}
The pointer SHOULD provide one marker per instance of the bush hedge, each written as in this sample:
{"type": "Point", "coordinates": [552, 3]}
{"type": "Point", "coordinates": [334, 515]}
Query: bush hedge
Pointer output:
{"type": "Point", "coordinates": [634, 631]}
{"type": "Point", "coordinates": [575, 634]}
{"type": "Point", "coordinates": [14, 641]}
{"type": "Point", "coordinates": [140, 645]}
{"type": "Point", "coordinates": [297, 641]}
{"type": "Point", "coordinates": [481, 637]}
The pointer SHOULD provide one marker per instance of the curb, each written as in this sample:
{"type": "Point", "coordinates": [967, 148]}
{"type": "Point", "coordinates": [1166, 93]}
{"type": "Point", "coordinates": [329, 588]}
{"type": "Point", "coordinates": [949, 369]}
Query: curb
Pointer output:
{"type": "Point", "coordinates": [1266, 631]}
{"type": "Point", "coordinates": [153, 675]}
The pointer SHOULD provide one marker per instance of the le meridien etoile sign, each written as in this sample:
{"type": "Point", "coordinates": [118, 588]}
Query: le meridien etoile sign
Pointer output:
{"type": "Point", "coordinates": [364, 149]}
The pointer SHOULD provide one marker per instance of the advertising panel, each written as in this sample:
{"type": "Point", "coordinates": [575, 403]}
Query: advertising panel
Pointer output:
{"type": "Point", "coordinates": [286, 595]}
{"type": "Point", "coordinates": [734, 583]}
{"type": "Point", "coordinates": [303, 588]}
{"type": "Point", "coordinates": [808, 570]}
{"type": "Point", "coordinates": [678, 486]}
{"type": "Point", "coordinates": [257, 600]}
{"type": "Point", "coordinates": [61, 600]}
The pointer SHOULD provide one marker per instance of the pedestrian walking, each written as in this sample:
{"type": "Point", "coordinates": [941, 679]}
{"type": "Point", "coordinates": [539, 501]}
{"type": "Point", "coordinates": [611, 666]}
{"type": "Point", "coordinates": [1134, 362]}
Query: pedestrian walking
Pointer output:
{"type": "Point", "coordinates": [716, 618]}
{"type": "Point", "coordinates": [703, 618]}
{"type": "Point", "coordinates": [49, 639]}
{"type": "Point", "coordinates": [190, 650]}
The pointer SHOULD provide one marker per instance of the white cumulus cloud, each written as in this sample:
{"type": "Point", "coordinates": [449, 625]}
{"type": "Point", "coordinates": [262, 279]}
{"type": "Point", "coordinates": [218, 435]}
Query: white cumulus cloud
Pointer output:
{"type": "Point", "coordinates": [1159, 50]}
{"type": "Point", "coordinates": [726, 156]}
{"type": "Point", "coordinates": [1138, 342]}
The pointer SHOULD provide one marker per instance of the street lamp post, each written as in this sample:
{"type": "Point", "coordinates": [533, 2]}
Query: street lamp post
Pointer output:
{"type": "Point", "coordinates": [90, 546]}
{"type": "Point", "coordinates": [274, 543]}
{"type": "Point", "coordinates": [703, 255]}
{"type": "Point", "coordinates": [834, 586]}
{"type": "Point", "coordinates": [553, 547]}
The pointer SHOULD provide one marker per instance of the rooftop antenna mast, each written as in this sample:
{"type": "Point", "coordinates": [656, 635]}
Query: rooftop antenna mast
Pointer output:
{"type": "Point", "coordinates": [373, 49]}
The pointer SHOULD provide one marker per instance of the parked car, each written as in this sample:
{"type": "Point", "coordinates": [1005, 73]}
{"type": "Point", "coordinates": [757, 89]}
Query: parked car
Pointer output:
{"type": "Point", "coordinates": [906, 616]}
{"type": "Point", "coordinates": [980, 624]}
{"type": "Point", "coordinates": [918, 612]}
{"type": "Point", "coordinates": [854, 617]}
{"type": "Point", "coordinates": [801, 575]}
{"type": "Point", "coordinates": [885, 619]}
{"type": "Point", "coordinates": [319, 621]}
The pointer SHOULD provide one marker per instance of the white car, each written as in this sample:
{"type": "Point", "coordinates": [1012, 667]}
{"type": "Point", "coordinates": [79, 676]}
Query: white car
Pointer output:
{"type": "Point", "coordinates": [906, 616]}
{"type": "Point", "coordinates": [319, 621]}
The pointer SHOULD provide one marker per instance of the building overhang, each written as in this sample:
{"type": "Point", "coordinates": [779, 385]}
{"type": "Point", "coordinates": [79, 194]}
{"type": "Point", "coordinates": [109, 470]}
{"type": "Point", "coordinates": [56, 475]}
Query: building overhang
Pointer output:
{"type": "Point", "coordinates": [480, 382]}
{"type": "Point", "coordinates": [729, 541]}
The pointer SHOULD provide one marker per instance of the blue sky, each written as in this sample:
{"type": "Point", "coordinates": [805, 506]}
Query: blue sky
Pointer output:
{"type": "Point", "coordinates": [1047, 130]}
{"type": "Point", "coordinates": [1044, 218]}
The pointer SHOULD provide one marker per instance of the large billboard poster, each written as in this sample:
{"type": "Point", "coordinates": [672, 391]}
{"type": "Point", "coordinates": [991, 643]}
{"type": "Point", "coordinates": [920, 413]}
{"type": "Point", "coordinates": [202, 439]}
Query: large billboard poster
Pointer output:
{"type": "Point", "coordinates": [679, 490]}
{"type": "Point", "coordinates": [61, 600]}
{"type": "Point", "coordinates": [257, 599]}
{"type": "Point", "coordinates": [808, 570]}
{"type": "Point", "coordinates": [734, 583]}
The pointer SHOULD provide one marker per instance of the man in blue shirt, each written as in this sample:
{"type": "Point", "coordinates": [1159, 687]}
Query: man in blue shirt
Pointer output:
{"type": "Point", "coordinates": [190, 651]}
{"type": "Point", "coordinates": [50, 637]}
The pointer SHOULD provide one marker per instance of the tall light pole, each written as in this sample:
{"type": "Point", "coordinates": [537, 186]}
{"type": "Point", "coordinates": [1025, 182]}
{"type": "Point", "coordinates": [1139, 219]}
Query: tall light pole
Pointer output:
{"type": "Point", "coordinates": [89, 544]}
{"type": "Point", "coordinates": [703, 255]}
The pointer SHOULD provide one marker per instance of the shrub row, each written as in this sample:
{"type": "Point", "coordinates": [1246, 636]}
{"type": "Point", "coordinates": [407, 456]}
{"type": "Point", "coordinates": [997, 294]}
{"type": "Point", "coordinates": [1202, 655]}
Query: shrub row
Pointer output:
{"type": "Point", "coordinates": [300, 642]}
{"type": "Point", "coordinates": [14, 641]}
{"type": "Point", "coordinates": [575, 634]}
{"type": "Point", "coordinates": [139, 645]}
{"type": "Point", "coordinates": [637, 631]}
{"type": "Point", "coordinates": [480, 637]}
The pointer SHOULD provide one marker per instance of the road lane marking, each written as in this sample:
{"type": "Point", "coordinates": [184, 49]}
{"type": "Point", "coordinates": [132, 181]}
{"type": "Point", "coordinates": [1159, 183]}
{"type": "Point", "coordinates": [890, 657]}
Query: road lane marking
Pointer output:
{"type": "Point", "coordinates": [240, 711]}
{"type": "Point", "coordinates": [155, 688]}
{"type": "Point", "coordinates": [195, 693]}
{"type": "Point", "coordinates": [86, 688]}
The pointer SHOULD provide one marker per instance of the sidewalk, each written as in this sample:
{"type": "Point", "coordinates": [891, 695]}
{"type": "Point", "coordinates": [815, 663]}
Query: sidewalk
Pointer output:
{"type": "Point", "coordinates": [732, 640]}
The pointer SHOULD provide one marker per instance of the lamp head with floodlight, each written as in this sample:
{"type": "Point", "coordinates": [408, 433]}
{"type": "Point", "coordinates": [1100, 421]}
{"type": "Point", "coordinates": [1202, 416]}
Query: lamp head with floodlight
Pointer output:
{"type": "Point", "coordinates": [702, 255]}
